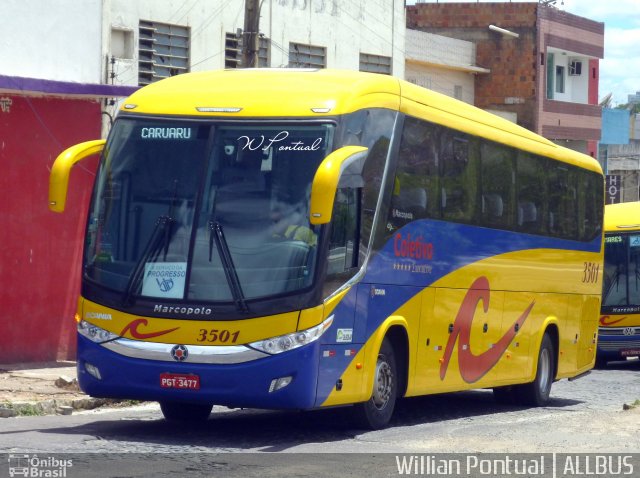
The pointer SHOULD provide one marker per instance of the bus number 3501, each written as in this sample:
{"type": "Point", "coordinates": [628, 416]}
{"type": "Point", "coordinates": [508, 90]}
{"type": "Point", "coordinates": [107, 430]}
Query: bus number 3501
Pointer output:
{"type": "Point", "coordinates": [215, 335]}
{"type": "Point", "coordinates": [590, 273]}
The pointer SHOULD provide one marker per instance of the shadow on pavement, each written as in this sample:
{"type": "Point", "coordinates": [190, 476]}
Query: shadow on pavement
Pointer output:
{"type": "Point", "coordinates": [275, 431]}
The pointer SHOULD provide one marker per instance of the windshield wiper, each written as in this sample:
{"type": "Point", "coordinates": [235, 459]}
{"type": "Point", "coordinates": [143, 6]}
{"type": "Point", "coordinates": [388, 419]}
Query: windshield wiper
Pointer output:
{"type": "Point", "coordinates": [217, 234]}
{"type": "Point", "coordinates": [160, 236]}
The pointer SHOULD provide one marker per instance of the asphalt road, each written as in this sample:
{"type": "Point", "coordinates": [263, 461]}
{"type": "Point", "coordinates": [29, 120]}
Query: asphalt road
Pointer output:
{"type": "Point", "coordinates": [584, 416]}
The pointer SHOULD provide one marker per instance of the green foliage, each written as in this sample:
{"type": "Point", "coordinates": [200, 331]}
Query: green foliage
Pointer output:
{"type": "Point", "coordinates": [633, 107]}
{"type": "Point", "coordinates": [29, 410]}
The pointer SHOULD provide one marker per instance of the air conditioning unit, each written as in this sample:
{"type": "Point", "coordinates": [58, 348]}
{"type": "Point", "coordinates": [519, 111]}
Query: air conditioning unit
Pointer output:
{"type": "Point", "coordinates": [575, 67]}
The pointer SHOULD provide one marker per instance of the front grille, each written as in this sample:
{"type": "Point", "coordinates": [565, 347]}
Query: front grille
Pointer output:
{"type": "Point", "coordinates": [617, 331]}
{"type": "Point", "coordinates": [616, 345]}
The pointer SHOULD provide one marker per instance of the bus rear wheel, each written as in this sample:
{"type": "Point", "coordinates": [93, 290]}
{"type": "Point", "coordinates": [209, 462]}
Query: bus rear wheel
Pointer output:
{"type": "Point", "coordinates": [537, 392]}
{"type": "Point", "coordinates": [185, 412]}
{"type": "Point", "coordinates": [377, 411]}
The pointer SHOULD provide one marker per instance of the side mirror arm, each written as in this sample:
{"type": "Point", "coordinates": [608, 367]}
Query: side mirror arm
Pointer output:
{"type": "Point", "coordinates": [59, 177]}
{"type": "Point", "coordinates": [326, 179]}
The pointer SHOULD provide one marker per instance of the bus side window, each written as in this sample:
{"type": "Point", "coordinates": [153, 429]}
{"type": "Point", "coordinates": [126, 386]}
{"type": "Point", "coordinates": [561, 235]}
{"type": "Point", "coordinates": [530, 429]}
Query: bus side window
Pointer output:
{"type": "Point", "coordinates": [590, 192]}
{"type": "Point", "coordinates": [563, 213]}
{"type": "Point", "coordinates": [459, 179]}
{"type": "Point", "coordinates": [531, 194]}
{"type": "Point", "coordinates": [415, 182]}
{"type": "Point", "coordinates": [497, 185]}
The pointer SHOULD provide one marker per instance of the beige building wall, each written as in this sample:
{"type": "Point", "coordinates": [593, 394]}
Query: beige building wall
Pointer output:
{"type": "Point", "coordinates": [442, 64]}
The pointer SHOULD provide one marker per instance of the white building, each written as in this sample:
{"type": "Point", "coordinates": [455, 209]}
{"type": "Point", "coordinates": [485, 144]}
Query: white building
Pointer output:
{"type": "Point", "coordinates": [196, 35]}
{"type": "Point", "coordinates": [146, 40]}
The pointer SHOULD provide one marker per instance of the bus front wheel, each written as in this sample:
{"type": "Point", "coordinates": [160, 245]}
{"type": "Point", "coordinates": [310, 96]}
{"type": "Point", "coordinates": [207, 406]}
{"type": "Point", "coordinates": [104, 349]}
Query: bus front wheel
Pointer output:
{"type": "Point", "coordinates": [377, 411]}
{"type": "Point", "coordinates": [537, 392]}
{"type": "Point", "coordinates": [185, 412]}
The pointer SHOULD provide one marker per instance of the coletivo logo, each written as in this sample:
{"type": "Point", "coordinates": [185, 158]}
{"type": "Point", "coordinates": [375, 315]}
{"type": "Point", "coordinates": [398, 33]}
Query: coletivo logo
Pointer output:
{"type": "Point", "coordinates": [414, 248]}
{"type": "Point", "coordinates": [474, 367]}
{"type": "Point", "coordinates": [132, 329]}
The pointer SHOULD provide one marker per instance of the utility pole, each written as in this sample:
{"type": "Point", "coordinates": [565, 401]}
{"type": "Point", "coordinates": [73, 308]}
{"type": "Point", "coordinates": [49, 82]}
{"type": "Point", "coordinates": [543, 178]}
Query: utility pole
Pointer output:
{"type": "Point", "coordinates": [250, 37]}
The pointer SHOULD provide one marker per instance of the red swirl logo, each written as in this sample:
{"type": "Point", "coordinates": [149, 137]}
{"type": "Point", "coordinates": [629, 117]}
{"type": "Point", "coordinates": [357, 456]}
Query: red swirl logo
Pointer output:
{"type": "Point", "coordinates": [132, 328]}
{"type": "Point", "coordinates": [474, 367]}
{"type": "Point", "coordinates": [606, 320]}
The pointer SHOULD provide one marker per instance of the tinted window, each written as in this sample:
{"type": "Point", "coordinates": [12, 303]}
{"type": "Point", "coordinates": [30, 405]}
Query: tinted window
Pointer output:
{"type": "Point", "coordinates": [590, 193]}
{"type": "Point", "coordinates": [498, 185]}
{"type": "Point", "coordinates": [459, 178]}
{"type": "Point", "coordinates": [531, 194]}
{"type": "Point", "coordinates": [371, 128]}
{"type": "Point", "coordinates": [614, 292]}
{"type": "Point", "coordinates": [563, 201]}
{"type": "Point", "coordinates": [442, 173]}
{"type": "Point", "coordinates": [415, 188]}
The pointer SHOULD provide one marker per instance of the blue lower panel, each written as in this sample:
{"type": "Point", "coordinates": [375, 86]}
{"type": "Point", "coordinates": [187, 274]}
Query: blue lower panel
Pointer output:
{"type": "Point", "coordinates": [238, 385]}
{"type": "Point", "coordinates": [618, 346]}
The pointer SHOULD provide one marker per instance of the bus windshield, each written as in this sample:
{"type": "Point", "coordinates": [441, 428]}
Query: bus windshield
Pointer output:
{"type": "Point", "coordinates": [187, 210]}
{"type": "Point", "coordinates": [622, 270]}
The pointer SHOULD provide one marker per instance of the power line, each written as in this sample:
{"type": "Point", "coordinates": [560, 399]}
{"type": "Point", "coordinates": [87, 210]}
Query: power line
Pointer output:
{"type": "Point", "coordinates": [207, 21]}
{"type": "Point", "coordinates": [195, 2]}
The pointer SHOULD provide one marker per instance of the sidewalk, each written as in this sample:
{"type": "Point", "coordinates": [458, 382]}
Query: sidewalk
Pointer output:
{"type": "Point", "coordinates": [43, 389]}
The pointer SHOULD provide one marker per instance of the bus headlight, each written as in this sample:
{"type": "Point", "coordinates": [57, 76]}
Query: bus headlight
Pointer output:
{"type": "Point", "coordinates": [93, 333]}
{"type": "Point", "coordinates": [283, 343]}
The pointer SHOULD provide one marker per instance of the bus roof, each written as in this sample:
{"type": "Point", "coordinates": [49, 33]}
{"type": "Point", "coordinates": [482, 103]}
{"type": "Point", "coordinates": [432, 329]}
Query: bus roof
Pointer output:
{"type": "Point", "coordinates": [622, 217]}
{"type": "Point", "coordinates": [288, 93]}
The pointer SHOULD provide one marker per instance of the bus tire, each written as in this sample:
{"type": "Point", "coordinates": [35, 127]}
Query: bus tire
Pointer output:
{"type": "Point", "coordinates": [185, 412]}
{"type": "Point", "coordinates": [537, 392]}
{"type": "Point", "coordinates": [376, 412]}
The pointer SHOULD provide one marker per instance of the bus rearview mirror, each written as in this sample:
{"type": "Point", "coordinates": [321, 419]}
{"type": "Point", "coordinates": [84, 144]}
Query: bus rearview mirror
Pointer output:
{"type": "Point", "coordinates": [59, 178]}
{"type": "Point", "coordinates": [342, 167]}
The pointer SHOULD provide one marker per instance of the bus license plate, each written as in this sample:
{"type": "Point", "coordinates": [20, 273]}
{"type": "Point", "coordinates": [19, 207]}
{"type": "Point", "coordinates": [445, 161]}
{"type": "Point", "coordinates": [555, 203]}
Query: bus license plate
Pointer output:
{"type": "Point", "coordinates": [178, 380]}
{"type": "Point", "coordinates": [630, 353]}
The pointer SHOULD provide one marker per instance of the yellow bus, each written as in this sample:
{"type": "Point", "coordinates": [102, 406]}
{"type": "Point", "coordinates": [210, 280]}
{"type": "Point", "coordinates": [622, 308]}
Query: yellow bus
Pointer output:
{"type": "Point", "coordinates": [297, 239]}
{"type": "Point", "coordinates": [619, 331]}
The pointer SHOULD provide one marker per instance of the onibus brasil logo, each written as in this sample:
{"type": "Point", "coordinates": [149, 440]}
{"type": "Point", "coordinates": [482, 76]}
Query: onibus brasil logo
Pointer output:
{"type": "Point", "coordinates": [35, 466]}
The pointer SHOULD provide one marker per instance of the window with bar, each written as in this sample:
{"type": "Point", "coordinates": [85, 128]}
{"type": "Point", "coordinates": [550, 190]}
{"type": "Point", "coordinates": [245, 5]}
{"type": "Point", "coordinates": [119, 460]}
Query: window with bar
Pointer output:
{"type": "Point", "coordinates": [375, 63]}
{"type": "Point", "coordinates": [233, 51]}
{"type": "Point", "coordinates": [307, 56]}
{"type": "Point", "coordinates": [163, 51]}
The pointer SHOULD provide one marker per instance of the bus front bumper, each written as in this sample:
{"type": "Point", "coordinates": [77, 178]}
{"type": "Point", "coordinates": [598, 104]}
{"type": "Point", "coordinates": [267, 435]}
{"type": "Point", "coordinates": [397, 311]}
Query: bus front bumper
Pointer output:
{"type": "Point", "coordinates": [251, 384]}
{"type": "Point", "coordinates": [618, 343]}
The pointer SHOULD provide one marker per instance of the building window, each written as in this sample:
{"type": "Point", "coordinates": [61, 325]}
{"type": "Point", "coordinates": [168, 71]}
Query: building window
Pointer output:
{"type": "Point", "coordinates": [550, 75]}
{"type": "Point", "coordinates": [375, 63]}
{"type": "Point", "coordinates": [559, 79]}
{"type": "Point", "coordinates": [233, 51]}
{"type": "Point", "coordinates": [575, 68]}
{"type": "Point", "coordinates": [163, 51]}
{"type": "Point", "coordinates": [307, 56]}
{"type": "Point", "coordinates": [122, 44]}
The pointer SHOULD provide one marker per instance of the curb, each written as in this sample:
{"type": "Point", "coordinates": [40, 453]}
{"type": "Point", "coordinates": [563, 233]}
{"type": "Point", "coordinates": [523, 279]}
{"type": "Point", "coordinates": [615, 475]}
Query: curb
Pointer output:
{"type": "Point", "coordinates": [53, 406]}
